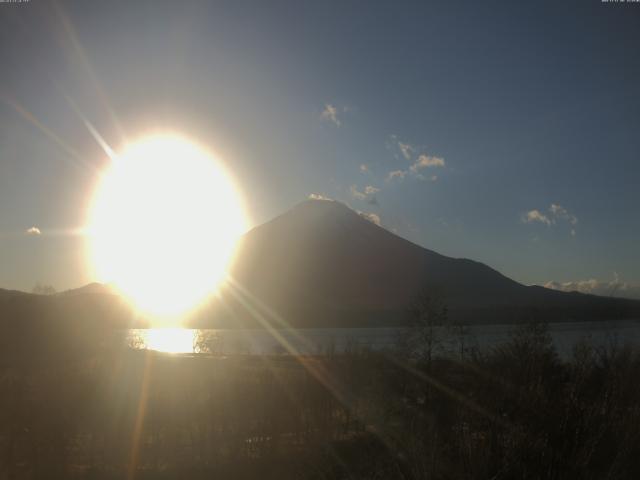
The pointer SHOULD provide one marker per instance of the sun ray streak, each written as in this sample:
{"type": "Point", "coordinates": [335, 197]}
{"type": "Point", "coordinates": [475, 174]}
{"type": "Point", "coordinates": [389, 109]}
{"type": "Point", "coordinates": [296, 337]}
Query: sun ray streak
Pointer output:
{"type": "Point", "coordinates": [98, 138]}
{"type": "Point", "coordinates": [49, 133]}
{"type": "Point", "coordinates": [138, 425]}
{"type": "Point", "coordinates": [315, 368]}
{"type": "Point", "coordinates": [283, 323]}
{"type": "Point", "coordinates": [89, 126]}
{"type": "Point", "coordinates": [322, 375]}
{"type": "Point", "coordinates": [450, 392]}
{"type": "Point", "coordinates": [31, 118]}
{"type": "Point", "coordinates": [92, 130]}
{"type": "Point", "coordinates": [79, 50]}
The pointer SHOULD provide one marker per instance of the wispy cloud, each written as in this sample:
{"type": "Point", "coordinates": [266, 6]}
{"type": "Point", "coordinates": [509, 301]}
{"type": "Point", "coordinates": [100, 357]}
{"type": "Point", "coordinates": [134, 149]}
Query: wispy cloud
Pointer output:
{"type": "Point", "coordinates": [372, 217]}
{"type": "Point", "coordinates": [406, 150]}
{"type": "Point", "coordinates": [399, 148]}
{"type": "Point", "coordinates": [368, 194]}
{"type": "Point", "coordinates": [330, 114]}
{"type": "Point", "coordinates": [536, 216]}
{"type": "Point", "coordinates": [419, 160]}
{"type": "Point", "coordinates": [318, 196]}
{"type": "Point", "coordinates": [426, 161]}
{"type": "Point", "coordinates": [33, 231]}
{"type": "Point", "coordinates": [554, 215]}
{"type": "Point", "coordinates": [396, 175]}
{"type": "Point", "coordinates": [356, 194]}
{"type": "Point", "coordinates": [560, 212]}
{"type": "Point", "coordinates": [364, 168]}
{"type": "Point", "coordinates": [607, 288]}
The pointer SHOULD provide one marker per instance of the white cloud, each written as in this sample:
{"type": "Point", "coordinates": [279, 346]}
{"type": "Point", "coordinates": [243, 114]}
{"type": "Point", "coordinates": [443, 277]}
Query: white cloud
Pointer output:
{"type": "Point", "coordinates": [330, 114]}
{"type": "Point", "coordinates": [555, 214]}
{"type": "Point", "coordinates": [372, 217]}
{"type": "Point", "coordinates": [607, 288]}
{"type": "Point", "coordinates": [364, 168]}
{"type": "Point", "coordinates": [426, 161]}
{"type": "Point", "coordinates": [317, 196]}
{"type": "Point", "coordinates": [371, 190]}
{"type": "Point", "coordinates": [33, 231]}
{"type": "Point", "coordinates": [408, 151]}
{"type": "Point", "coordinates": [536, 216]}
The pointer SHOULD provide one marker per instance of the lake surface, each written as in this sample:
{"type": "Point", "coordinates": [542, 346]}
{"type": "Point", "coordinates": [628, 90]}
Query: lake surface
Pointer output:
{"type": "Point", "coordinates": [326, 340]}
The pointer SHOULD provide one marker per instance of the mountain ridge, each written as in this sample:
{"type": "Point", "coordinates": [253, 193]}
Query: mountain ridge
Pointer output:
{"type": "Point", "coordinates": [323, 261]}
{"type": "Point", "coordinates": [323, 264]}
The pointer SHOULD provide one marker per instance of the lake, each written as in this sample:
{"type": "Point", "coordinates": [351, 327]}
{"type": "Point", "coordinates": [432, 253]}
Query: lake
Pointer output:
{"type": "Point", "coordinates": [315, 341]}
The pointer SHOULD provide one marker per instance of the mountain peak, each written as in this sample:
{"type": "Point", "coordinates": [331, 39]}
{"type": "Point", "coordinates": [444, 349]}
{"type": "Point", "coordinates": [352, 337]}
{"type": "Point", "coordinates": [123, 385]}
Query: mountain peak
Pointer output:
{"type": "Point", "coordinates": [322, 204]}
{"type": "Point", "coordinates": [316, 208]}
{"type": "Point", "coordinates": [323, 263]}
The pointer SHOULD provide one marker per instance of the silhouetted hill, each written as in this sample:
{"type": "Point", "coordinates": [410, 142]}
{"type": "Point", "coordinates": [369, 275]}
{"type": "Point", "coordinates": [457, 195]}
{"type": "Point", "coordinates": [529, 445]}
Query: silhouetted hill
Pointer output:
{"type": "Point", "coordinates": [89, 305]}
{"type": "Point", "coordinates": [4, 294]}
{"type": "Point", "coordinates": [90, 288]}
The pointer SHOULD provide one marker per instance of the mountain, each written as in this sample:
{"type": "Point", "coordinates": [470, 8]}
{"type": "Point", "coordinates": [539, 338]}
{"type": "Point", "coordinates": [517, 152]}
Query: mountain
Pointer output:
{"type": "Point", "coordinates": [323, 264]}
{"type": "Point", "coordinates": [91, 289]}
{"type": "Point", "coordinates": [93, 303]}
{"type": "Point", "coordinates": [4, 294]}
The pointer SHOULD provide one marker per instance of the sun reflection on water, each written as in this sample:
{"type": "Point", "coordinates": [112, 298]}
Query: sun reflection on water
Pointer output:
{"type": "Point", "coordinates": [168, 340]}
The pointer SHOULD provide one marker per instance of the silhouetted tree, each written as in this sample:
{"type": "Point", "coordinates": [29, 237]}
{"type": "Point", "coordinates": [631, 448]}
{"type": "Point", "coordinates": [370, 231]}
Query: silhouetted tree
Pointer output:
{"type": "Point", "coordinates": [428, 317]}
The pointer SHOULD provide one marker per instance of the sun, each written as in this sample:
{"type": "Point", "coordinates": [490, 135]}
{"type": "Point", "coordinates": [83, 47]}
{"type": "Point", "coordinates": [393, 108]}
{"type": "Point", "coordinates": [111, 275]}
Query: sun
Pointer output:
{"type": "Point", "coordinates": [164, 224]}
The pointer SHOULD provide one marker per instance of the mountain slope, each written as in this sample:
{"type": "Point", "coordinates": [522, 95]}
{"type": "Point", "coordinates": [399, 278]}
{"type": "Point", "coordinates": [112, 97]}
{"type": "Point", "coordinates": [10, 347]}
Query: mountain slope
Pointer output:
{"type": "Point", "coordinates": [321, 263]}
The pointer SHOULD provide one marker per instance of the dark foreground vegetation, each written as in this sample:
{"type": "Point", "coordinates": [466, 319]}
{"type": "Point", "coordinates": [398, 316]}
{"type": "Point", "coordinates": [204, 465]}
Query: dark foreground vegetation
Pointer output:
{"type": "Point", "coordinates": [83, 407]}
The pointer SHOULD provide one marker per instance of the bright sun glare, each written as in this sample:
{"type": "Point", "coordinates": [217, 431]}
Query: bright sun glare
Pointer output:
{"type": "Point", "coordinates": [169, 340]}
{"type": "Point", "coordinates": [164, 223]}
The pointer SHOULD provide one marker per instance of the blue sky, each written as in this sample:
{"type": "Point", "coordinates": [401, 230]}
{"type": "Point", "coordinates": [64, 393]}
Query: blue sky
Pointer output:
{"type": "Point", "coordinates": [512, 126]}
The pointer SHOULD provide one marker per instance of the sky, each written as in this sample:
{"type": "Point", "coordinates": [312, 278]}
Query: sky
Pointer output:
{"type": "Point", "coordinates": [506, 132]}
